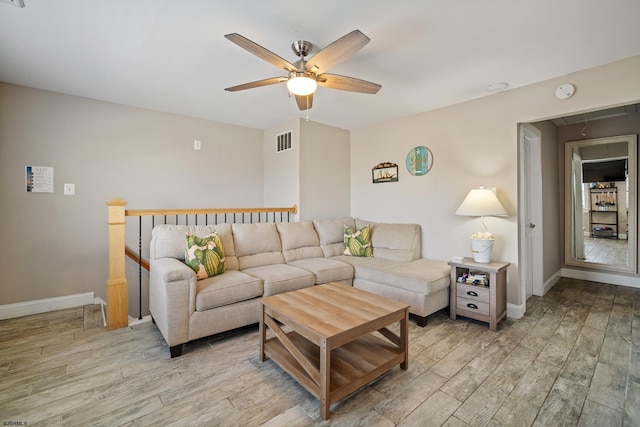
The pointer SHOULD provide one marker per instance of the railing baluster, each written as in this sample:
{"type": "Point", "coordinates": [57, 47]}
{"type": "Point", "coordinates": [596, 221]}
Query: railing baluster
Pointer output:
{"type": "Point", "coordinates": [140, 268]}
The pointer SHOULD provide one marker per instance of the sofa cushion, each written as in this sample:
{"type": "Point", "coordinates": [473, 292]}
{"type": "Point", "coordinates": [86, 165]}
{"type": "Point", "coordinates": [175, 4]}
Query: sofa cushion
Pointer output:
{"type": "Point", "coordinates": [358, 242]}
{"type": "Point", "coordinates": [204, 255]}
{"type": "Point", "coordinates": [331, 234]}
{"type": "Point", "coordinates": [228, 288]}
{"type": "Point", "coordinates": [332, 230]}
{"type": "Point", "coordinates": [359, 263]}
{"type": "Point", "coordinates": [167, 241]}
{"type": "Point", "coordinates": [397, 242]}
{"type": "Point", "coordinates": [279, 278]}
{"type": "Point", "coordinates": [326, 270]}
{"type": "Point", "coordinates": [422, 276]}
{"type": "Point", "coordinates": [257, 245]}
{"type": "Point", "coordinates": [299, 240]}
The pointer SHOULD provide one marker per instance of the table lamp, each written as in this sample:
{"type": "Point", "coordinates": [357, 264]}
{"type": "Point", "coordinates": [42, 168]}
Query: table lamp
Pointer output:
{"type": "Point", "coordinates": [481, 202]}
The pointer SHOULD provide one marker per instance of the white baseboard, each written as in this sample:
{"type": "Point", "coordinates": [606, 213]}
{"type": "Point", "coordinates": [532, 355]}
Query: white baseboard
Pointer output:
{"type": "Point", "coordinates": [136, 321]}
{"type": "Point", "coordinates": [596, 276]}
{"type": "Point", "coordinates": [515, 311]}
{"type": "Point", "coordinates": [9, 311]}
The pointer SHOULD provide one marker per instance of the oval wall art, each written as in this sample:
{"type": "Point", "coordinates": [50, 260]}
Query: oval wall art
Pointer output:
{"type": "Point", "coordinates": [419, 160]}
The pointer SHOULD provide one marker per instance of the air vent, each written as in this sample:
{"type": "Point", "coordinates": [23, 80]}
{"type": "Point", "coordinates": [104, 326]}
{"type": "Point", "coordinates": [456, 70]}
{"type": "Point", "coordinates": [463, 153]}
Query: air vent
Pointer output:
{"type": "Point", "coordinates": [283, 142]}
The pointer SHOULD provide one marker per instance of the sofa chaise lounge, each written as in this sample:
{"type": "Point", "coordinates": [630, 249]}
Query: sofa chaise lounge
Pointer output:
{"type": "Point", "coordinates": [269, 258]}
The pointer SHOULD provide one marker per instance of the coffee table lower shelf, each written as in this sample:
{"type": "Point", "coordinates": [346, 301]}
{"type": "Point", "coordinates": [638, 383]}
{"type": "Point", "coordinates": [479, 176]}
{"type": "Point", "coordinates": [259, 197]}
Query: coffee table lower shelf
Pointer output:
{"type": "Point", "coordinates": [353, 365]}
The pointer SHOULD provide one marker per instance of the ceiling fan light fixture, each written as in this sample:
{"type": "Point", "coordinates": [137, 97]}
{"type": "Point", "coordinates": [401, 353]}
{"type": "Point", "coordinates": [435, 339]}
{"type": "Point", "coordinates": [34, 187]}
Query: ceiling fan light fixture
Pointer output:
{"type": "Point", "coordinates": [301, 84]}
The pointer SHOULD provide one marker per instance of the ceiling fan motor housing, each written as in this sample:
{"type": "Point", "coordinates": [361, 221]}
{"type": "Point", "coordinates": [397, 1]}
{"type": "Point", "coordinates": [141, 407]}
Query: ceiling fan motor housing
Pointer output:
{"type": "Point", "coordinates": [301, 48]}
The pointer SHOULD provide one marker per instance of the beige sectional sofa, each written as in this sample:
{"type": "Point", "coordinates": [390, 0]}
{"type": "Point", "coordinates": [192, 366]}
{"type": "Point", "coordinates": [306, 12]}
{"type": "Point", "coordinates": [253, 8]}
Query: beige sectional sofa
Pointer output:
{"type": "Point", "coordinates": [269, 258]}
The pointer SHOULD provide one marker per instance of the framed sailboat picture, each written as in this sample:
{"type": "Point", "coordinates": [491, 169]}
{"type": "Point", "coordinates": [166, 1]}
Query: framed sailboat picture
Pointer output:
{"type": "Point", "coordinates": [385, 172]}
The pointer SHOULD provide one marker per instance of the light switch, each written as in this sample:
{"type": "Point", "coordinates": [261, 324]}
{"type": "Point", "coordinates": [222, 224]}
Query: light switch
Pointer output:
{"type": "Point", "coordinates": [69, 189]}
{"type": "Point", "coordinates": [196, 145]}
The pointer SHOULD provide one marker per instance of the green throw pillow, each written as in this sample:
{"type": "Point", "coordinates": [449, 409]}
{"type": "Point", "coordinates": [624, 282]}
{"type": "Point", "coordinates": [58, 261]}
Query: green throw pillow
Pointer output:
{"type": "Point", "coordinates": [358, 243]}
{"type": "Point", "coordinates": [205, 255]}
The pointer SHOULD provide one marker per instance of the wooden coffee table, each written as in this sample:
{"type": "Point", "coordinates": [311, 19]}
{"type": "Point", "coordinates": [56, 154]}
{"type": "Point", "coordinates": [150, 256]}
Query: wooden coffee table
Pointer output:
{"type": "Point", "coordinates": [324, 338]}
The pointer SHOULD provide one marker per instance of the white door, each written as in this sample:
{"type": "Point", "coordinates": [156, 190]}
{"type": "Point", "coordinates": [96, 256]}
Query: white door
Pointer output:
{"type": "Point", "coordinates": [530, 207]}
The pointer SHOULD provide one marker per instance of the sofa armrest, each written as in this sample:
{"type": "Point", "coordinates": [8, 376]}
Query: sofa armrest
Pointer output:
{"type": "Point", "coordinates": [172, 293]}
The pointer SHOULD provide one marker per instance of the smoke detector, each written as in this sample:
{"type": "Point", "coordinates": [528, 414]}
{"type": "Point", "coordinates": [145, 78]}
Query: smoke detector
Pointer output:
{"type": "Point", "coordinates": [497, 87]}
{"type": "Point", "coordinates": [565, 91]}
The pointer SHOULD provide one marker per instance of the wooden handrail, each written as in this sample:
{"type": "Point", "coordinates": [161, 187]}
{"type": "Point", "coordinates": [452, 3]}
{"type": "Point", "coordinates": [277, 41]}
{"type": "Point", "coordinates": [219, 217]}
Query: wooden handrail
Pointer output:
{"type": "Point", "coordinates": [117, 286]}
{"type": "Point", "coordinates": [134, 256]}
{"type": "Point", "coordinates": [159, 212]}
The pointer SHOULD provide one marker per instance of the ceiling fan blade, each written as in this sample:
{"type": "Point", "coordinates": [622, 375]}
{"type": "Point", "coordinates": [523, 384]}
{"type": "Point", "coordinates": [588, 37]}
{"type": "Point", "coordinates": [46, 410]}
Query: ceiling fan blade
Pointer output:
{"type": "Point", "coordinates": [259, 83]}
{"type": "Point", "coordinates": [337, 52]}
{"type": "Point", "coordinates": [335, 81]}
{"type": "Point", "coordinates": [260, 52]}
{"type": "Point", "coordinates": [304, 102]}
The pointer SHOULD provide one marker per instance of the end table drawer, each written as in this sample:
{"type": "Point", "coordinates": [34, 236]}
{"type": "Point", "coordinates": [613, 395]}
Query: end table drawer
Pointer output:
{"type": "Point", "coordinates": [473, 305]}
{"type": "Point", "coordinates": [477, 293]}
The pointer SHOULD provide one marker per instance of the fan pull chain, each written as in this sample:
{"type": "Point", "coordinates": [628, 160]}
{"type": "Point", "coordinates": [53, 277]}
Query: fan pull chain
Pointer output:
{"type": "Point", "coordinates": [586, 123]}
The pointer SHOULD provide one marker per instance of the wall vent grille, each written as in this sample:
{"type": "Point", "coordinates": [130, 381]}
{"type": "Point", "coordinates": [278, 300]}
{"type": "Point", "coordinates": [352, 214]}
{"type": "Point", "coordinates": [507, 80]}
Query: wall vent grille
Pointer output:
{"type": "Point", "coordinates": [283, 142]}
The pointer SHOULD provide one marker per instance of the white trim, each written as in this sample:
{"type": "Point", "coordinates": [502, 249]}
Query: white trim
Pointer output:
{"type": "Point", "coordinates": [8, 311]}
{"type": "Point", "coordinates": [596, 276]}
{"type": "Point", "coordinates": [516, 311]}
{"type": "Point", "coordinates": [136, 321]}
{"type": "Point", "coordinates": [530, 210]}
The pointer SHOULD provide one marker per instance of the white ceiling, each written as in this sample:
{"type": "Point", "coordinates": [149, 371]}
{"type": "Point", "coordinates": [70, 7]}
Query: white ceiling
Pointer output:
{"type": "Point", "coordinates": [171, 55]}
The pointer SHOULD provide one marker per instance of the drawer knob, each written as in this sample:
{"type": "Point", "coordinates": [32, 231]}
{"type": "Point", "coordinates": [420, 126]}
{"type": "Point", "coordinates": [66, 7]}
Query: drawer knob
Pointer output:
{"type": "Point", "coordinates": [475, 307]}
{"type": "Point", "coordinates": [473, 294]}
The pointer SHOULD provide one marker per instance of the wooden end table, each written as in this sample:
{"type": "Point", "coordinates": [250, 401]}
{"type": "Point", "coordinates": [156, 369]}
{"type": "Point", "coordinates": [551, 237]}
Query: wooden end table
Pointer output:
{"type": "Point", "coordinates": [486, 302]}
{"type": "Point", "coordinates": [324, 338]}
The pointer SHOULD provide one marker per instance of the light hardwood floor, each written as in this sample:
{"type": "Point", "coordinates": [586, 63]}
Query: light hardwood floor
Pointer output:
{"type": "Point", "coordinates": [573, 359]}
{"type": "Point", "coordinates": [606, 251]}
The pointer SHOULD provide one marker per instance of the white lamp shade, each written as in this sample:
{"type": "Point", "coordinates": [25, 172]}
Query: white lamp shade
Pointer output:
{"type": "Point", "coordinates": [301, 85]}
{"type": "Point", "coordinates": [481, 202]}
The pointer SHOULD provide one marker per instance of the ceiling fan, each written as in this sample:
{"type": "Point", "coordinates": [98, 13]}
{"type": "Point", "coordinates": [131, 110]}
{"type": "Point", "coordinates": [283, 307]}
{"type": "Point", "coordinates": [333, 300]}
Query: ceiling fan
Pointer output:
{"type": "Point", "coordinates": [303, 76]}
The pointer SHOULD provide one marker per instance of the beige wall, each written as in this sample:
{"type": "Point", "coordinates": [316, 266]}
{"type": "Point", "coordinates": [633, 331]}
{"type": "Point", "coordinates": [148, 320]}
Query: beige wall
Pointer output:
{"type": "Point", "coordinates": [473, 143]}
{"type": "Point", "coordinates": [55, 245]}
{"type": "Point", "coordinates": [324, 172]}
